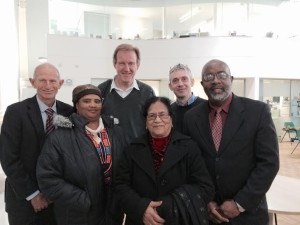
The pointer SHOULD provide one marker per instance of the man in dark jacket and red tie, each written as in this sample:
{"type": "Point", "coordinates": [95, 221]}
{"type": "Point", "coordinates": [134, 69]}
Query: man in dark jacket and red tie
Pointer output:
{"type": "Point", "coordinates": [22, 136]}
{"type": "Point", "coordinates": [244, 161]}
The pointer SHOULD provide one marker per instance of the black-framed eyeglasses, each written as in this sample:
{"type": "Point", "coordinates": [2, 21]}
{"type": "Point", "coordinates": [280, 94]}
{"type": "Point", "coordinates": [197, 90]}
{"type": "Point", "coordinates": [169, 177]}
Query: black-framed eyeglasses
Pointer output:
{"type": "Point", "coordinates": [153, 116]}
{"type": "Point", "coordinates": [211, 76]}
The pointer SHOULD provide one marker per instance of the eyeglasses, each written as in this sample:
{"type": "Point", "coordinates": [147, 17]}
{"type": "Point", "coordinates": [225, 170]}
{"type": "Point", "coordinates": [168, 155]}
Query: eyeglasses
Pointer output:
{"type": "Point", "coordinates": [153, 116]}
{"type": "Point", "coordinates": [211, 76]}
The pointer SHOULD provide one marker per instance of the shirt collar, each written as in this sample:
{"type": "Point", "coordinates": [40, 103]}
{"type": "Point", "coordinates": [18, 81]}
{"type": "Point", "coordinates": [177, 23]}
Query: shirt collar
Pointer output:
{"type": "Point", "coordinates": [189, 102]}
{"type": "Point", "coordinates": [225, 106]}
{"type": "Point", "coordinates": [100, 127]}
{"type": "Point", "coordinates": [43, 106]}
{"type": "Point", "coordinates": [133, 85]}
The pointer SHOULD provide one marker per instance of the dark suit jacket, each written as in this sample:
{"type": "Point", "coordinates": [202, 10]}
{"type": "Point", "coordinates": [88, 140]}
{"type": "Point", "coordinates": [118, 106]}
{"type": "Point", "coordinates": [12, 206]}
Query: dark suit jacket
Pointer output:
{"type": "Point", "coordinates": [22, 137]}
{"type": "Point", "coordinates": [247, 161]}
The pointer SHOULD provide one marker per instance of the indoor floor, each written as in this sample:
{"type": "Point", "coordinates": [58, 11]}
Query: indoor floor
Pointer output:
{"type": "Point", "coordinates": [289, 166]}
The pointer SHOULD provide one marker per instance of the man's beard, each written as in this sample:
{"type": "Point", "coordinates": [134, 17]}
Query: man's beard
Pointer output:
{"type": "Point", "coordinates": [218, 98]}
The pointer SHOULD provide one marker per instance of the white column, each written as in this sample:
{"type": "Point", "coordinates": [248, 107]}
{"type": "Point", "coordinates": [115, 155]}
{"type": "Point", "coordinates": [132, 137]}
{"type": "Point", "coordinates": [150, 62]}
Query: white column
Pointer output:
{"type": "Point", "coordinates": [252, 88]}
{"type": "Point", "coordinates": [8, 56]}
{"type": "Point", "coordinates": [23, 50]}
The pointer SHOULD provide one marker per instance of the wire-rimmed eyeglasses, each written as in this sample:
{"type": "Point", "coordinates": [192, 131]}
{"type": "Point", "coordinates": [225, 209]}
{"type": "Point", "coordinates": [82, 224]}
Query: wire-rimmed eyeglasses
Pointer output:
{"type": "Point", "coordinates": [153, 116]}
{"type": "Point", "coordinates": [210, 76]}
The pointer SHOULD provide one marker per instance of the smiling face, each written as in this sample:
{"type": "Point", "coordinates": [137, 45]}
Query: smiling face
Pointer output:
{"type": "Point", "coordinates": [126, 66]}
{"type": "Point", "coordinates": [217, 90]}
{"type": "Point", "coordinates": [47, 82]}
{"type": "Point", "coordinates": [159, 122]}
{"type": "Point", "coordinates": [89, 107]}
{"type": "Point", "coordinates": [181, 84]}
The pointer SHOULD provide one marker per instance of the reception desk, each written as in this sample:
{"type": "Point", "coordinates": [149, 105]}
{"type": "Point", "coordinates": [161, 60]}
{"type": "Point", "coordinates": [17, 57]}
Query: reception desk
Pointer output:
{"type": "Point", "coordinates": [284, 197]}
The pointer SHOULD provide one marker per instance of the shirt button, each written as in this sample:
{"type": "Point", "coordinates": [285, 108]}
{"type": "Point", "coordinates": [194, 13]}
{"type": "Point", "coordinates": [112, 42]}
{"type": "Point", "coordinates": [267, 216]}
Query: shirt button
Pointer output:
{"type": "Point", "coordinates": [163, 182]}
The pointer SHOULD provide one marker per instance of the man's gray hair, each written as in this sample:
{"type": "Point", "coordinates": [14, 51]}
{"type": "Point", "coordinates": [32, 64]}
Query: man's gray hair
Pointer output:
{"type": "Point", "coordinates": [180, 66]}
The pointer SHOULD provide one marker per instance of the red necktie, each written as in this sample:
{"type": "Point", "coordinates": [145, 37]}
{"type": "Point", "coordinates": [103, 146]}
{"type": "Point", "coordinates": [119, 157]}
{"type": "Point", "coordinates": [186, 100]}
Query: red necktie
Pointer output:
{"type": "Point", "coordinates": [216, 129]}
{"type": "Point", "coordinates": [49, 121]}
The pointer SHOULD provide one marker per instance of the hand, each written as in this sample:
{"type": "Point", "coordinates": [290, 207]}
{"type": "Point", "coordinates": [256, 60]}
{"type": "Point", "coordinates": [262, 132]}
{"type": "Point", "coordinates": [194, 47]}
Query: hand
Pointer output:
{"type": "Point", "coordinates": [39, 202]}
{"type": "Point", "coordinates": [230, 209]}
{"type": "Point", "coordinates": [215, 214]}
{"type": "Point", "coordinates": [151, 216]}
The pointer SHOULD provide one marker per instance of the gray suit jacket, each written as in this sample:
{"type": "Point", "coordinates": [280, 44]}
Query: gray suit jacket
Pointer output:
{"type": "Point", "coordinates": [247, 162]}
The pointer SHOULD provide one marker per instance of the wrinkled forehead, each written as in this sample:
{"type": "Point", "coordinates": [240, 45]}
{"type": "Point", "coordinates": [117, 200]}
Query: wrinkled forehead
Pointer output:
{"type": "Point", "coordinates": [157, 106]}
{"type": "Point", "coordinates": [179, 74]}
{"type": "Point", "coordinates": [46, 74]}
{"type": "Point", "coordinates": [215, 67]}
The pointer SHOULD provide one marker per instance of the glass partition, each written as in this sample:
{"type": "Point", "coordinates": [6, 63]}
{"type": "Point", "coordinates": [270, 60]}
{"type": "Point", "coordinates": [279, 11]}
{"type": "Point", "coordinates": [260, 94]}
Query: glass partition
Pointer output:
{"type": "Point", "coordinates": [171, 20]}
{"type": "Point", "coordinates": [283, 97]}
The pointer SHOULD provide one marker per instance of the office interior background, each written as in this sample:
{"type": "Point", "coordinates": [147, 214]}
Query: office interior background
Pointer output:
{"type": "Point", "coordinates": [259, 39]}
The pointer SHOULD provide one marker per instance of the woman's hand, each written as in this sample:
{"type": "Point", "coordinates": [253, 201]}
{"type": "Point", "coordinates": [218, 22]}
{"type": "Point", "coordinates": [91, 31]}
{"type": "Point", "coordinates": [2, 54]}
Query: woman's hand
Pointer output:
{"type": "Point", "coordinates": [151, 216]}
{"type": "Point", "coordinates": [215, 214]}
{"type": "Point", "coordinates": [230, 209]}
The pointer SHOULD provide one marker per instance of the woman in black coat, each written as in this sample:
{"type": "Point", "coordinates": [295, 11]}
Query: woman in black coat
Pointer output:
{"type": "Point", "coordinates": [162, 178]}
{"type": "Point", "coordinates": [76, 168]}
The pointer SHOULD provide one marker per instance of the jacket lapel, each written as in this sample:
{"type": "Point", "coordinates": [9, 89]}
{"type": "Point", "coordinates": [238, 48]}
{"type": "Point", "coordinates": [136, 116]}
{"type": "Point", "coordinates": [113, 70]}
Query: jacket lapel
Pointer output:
{"type": "Point", "coordinates": [34, 112]}
{"type": "Point", "coordinates": [172, 156]}
{"type": "Point", "coordinates": [233, 123]}
{"type": "Point", "coordinates": [202, 124]}
{"type": "Point", "coordinates": [63, 110]}
{"type": "Point", "coordinates": [141, 156]}
{"type": "Point", "coordinates": [174, 153]}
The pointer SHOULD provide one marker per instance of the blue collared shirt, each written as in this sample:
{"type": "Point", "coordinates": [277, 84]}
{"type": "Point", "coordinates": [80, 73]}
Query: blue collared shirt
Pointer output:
{"type": "Point", "coordinates": [189, 102]}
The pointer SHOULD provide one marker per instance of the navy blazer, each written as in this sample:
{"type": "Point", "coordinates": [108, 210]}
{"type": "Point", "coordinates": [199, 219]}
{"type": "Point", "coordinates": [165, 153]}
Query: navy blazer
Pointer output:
{"type": "Point", "coordinates": [247, 161]}
{"type": "Point", "coordinates": [22, 137]}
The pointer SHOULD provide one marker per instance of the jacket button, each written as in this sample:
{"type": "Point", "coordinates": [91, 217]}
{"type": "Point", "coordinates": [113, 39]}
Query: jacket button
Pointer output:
{"type": "Point", "coordinates": [163, 182]}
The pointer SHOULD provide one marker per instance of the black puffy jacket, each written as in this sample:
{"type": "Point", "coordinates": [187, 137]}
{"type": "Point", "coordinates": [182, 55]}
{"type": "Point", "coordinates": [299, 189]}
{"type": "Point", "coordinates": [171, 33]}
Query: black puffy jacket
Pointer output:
{"type": "Point", "coordinates": [70, 174]}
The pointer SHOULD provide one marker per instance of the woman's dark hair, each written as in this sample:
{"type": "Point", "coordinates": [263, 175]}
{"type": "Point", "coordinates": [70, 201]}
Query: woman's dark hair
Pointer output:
{"type": "Point", "coordinates": [154, 99]}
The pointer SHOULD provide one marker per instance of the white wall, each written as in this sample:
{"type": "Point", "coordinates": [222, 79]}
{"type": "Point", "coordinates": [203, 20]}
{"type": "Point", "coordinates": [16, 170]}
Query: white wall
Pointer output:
{"type": "Point", "coordinates": [8, 56]}
{"type": "Point", "coordinates": [37, 29]}
{"type": "Point", "coordinates": [82, 59]}
{"type": "Point", "coordinates": [247, 57]}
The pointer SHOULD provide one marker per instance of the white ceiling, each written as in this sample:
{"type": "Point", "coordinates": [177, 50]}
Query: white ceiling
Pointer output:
{"type": "Point", "coordinates": [162, 3]}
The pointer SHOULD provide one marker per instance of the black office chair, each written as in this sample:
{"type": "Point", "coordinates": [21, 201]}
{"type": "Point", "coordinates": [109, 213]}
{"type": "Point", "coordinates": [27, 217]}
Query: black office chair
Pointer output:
{"type": "Point", "coordinates": [289, 128]}
{"type": "Point", "coordinates": [296, 138]}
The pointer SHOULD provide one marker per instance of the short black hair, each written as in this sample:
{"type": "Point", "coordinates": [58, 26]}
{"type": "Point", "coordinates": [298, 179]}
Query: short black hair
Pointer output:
{"type": "Point", "coordinates": [152, 100]}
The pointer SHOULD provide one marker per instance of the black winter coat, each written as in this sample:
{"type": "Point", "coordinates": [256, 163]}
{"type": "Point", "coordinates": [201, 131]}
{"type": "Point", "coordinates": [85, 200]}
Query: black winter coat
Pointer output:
{"type": "Point", "coordinates": [70, 174]}
{"type": "Point", "coordinates": [137, 183]}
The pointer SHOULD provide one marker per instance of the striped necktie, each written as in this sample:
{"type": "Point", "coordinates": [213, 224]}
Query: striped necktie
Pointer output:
{"type": "Point", "coordinates": [49, 121]}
